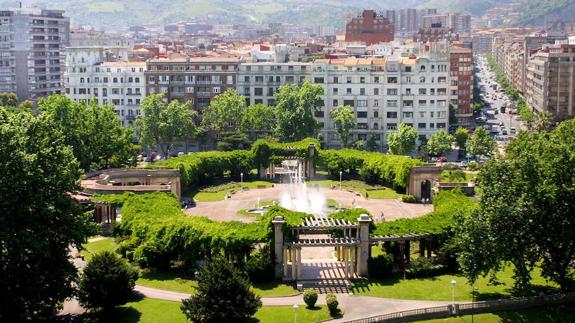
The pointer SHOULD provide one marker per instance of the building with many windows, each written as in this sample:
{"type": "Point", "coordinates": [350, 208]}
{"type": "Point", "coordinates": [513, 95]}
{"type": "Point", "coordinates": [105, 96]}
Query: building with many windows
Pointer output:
{"type": "Point", "coordinates": [93, 74]}
{"type": "Point", "coordinates": [32, 43]}
{"type": "Point", "coordinates": [369, 28]}
{"type": "Point", "coordinates": [461, 84]}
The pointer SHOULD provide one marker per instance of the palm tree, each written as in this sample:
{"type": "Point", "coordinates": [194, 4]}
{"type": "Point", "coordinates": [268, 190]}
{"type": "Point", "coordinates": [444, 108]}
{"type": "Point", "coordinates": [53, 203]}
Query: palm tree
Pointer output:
{"type": "Point", "coordinates": [542, 121]}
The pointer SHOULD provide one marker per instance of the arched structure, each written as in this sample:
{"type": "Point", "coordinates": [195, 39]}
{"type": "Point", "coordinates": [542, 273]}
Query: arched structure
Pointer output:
{"type": "Point", "coordinates": [422, 179]}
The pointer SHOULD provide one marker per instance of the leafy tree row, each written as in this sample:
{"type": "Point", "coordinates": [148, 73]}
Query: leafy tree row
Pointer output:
{"type": "Point", "coordinates": [525, 215]}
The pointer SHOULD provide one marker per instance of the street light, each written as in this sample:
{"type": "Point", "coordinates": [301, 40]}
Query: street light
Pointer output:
{"type": "Point", "coordinates": [295, 307]}
{"type": "Point", "coordinates": [453, 282]}
{"type": "Point", "coordinates": [242, 180]}
{"type": "Point", "coordinates": [473, 302]}
{"type": "Point", "coordinates": [340, 175]}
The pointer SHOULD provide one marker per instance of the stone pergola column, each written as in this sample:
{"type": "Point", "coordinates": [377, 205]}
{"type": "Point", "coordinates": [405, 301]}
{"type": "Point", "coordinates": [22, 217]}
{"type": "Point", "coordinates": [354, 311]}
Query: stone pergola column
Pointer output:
{"type": "Point", "coordinates": [401, 254]}
{"type": "Point", "coordinates": [407, 252]}
{"type": "Point", "coordinates": [293, 263]}
{"type": "Point", "coordinates": [298, 257]}
{"type": "Point", "coordinates": [278, 224]}
{"type": "Point", "coordinates": [285, 262]}
{"type": "Point", "coordinates": [363, 248]}
{"type": "Point", "coordinates": [345, 263]}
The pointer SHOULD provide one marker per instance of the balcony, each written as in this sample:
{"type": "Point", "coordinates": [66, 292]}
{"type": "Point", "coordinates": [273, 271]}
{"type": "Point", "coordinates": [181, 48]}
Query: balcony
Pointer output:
{"type": "Point", "coordinates": [204, 93]}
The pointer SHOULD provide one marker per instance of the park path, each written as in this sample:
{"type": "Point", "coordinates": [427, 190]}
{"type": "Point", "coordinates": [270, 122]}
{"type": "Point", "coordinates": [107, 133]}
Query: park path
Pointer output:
{"type": "Point", "coordinates": [354, 307]}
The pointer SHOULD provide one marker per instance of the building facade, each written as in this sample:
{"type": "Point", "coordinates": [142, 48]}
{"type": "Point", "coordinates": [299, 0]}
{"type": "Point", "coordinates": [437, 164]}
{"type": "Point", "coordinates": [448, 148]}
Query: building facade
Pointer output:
{"type": "Point", "coordinates": [461, 84]}
{"type": "Point", "coordinates": [32, 51]}
{"type": "Point", "coordinates": [91, 76]}
{"type": "Point", "coordinates": [369, 28]}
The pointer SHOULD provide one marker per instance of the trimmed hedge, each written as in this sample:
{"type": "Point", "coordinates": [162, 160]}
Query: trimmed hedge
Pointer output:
{"type": "Point", "coordinates": [373, 167]}
{"type": "Point", "coordinates": [266, 152]}
{"type": "Point", "coordinates": [447, 204]}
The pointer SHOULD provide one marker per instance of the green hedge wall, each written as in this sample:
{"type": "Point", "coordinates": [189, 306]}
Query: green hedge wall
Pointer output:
{"type": "Point", "coordinates": [447, 204]}
{"type": "Point", "coordinates": [373, 167]}
{"type": "Point", "coordinates": [266, 152]}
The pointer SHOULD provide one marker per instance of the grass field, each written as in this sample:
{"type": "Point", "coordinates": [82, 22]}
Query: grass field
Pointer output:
{"type": "Point", "coordinates": [540, 314]}
{"type": "Point", "coordinates": [202, 196]}
{"type": "Point", "coordinates": [439, 288]}
{"type": "Point", "coordinates": [370, 191]}
{"type": "Point", "coordinates": [149, 310]}
{"type": "Point", "coordinates": [91, 248]}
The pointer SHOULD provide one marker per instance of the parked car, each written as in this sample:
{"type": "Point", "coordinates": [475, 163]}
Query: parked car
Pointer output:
{"type": "Point", "coordinates": [443, 159]}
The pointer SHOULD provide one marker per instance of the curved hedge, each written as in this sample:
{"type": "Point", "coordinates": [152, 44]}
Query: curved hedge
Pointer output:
{"type": "Point", "coordinates": [196, 168]}
{"type": "Point", "coordinates": [266, 152]}
{"type": "Point", "coordinates": [447, 204]}
{"type": "Point", "coordinates": [373, 167]}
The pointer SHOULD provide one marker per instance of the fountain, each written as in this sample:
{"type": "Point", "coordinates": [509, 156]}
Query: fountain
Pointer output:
{"type": "Point", "coordinates": [297, 196]}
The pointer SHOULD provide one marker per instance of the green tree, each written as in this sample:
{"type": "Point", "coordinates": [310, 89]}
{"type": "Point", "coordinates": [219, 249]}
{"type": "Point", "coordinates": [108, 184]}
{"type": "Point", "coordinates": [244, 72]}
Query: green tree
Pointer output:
{"type": "Point", "coordinates": [233, 141]}
{"type": "Point", "coordinates": [94, 132]}
{"type": "Point", "coordinates": [452, 113]}
{"type": "Point", "coordinates": [257, 119]}
{"type": "Point", "coordinates": [402, 141]}
{"type": "Point", "coordinates": [542, 121]}
{"type": "Point", "coordinates": [294, 111]}
{"type": "Point", "coordinates": [524, 217]}
{"type": "Point", "coordinates": [344, 121]}
{"type": "Point", "coordinates": [107, 282]}
{"type": "Point", "coordinates": [461, 136]}
{"type": "Point", "coordinates": [440, 143]}
{"type": "Point", "coordinates": [8, 100]}
{"type": "Point", "coordinates": [224, 111]}
{"type": "Point", "coordinates": [223, 295]}
{"type": "Point", "coordinates": [480, 143]}
{"type": "Point", "coordinates": [39, 218]}
{"type": "Point", "coordinates": [163, 124]}
{"type": "Point", "coordinates": [371, 143]}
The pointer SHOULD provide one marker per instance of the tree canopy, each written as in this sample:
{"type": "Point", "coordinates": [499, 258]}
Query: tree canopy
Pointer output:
{"type": "Point", "coordinates": [94, 132]}
{"type": "Point", "coordinates": [257, 118]}
{"type": "Point", "coordinates": [525, 214]}
{"type": "Point", "coordinates": [344, 121]}
{"type": "Point", "coordinates": [39, 220]}
{"type": "Point", "coordinates": [402, 141]}
{"type": "Point", "coordinates": [223, 295]}
{"type": "Point", "coordinates": [162, 124]}
{"type": "Point", "coordinates": [294, 111]}
{"type": "Point", "coordinates": [224, 112]}
{"type": "Point", "coordinates": [440, 143]}
{"type": "Point", "coordinates": [480, 143]}
{"type": "Point", "coordinates": [461, 136]}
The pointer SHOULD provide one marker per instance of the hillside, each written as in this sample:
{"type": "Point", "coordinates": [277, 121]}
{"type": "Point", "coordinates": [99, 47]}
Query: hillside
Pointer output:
{"type": "Point", "coordinates": [115, 14]}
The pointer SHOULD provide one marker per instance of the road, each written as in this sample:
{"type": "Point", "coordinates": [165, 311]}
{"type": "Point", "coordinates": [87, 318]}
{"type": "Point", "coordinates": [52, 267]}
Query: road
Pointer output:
{"type": "Point", "coordinates": [495, 100]}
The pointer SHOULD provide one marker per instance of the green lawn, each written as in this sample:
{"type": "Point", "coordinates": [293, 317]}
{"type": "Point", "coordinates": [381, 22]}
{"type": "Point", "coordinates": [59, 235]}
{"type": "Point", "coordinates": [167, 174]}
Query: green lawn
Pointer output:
{"type": "Point", "coordinates": [285, 314]}
{"type": "Point", "coordinates": [559, 313]}
{"type": "Point", "coordinates": [173, 282]}
{"type": "Point", "coordinates": [439, 288]}
{"type": "Point", "coordinates": [456, 177]}
{"type": "Point", "coordinates": [91, 248]}
{"type": "Point", "coordinates": [204, 196]}
{"type": "Point", "coordinates": [372, 191]}
{"type": "Point", "coordinates": [148, 310]}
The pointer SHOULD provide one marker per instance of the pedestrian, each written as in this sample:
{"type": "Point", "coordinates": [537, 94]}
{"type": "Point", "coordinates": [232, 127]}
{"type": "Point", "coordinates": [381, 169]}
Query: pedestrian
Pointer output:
{"type": "Point", "coordinates": [381, 217]}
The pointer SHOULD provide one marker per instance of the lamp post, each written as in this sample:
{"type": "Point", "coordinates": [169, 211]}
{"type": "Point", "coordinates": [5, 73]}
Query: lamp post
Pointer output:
{"type": "Point", "coordinates": [473, 302]}
{"type": "Point", "coordinates": [340, 177]}
{"type": "Point", "coordinates": [295, 307]}
{"type": "Point", "coordinates": [453, 282]}
{"type": "Point", "coordinates": [242, 180]}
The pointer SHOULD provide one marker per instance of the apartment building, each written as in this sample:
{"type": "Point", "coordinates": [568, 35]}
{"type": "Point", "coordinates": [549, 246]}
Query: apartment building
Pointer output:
{"type": "Point", "coordinates": [258, 82]}
{"type": "Point", "coordinates": [191, 79]}
{"type": "Point", "coordinates": [369, 28]}
{"type": "Point", "coordinates": [92, 73]}
{"type": "Point", "coordinates": [550, 81]}
{"type": "Point", "coordinates": [461, 83]}
{"type": "Point", "coordinates": [32, 43]}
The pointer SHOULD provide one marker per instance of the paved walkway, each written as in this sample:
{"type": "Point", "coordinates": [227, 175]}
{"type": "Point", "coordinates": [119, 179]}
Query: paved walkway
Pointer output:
{"type": "Point", "coordinates": [226, 210]}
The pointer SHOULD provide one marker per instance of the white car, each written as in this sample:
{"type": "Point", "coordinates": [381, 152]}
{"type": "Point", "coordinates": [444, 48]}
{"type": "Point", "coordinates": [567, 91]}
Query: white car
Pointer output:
{"type": "Point", "coordinates": [512, 130]}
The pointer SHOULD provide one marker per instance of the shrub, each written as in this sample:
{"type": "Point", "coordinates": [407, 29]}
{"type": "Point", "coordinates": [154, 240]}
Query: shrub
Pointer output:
{"type": "Point", "coordinates": [423, 267]}
{"type": "Point", "coordinates": [332, 304]}
{"type": "Point", "coordinates": [107, 282]}
{"type": "Point", "coordinates": [409, 199]}
{"type": "Point", "coordinates": [260, 267]}
{"type": "Point", "coordinates": [223, 295]}
{"type": "Point", "coordinates": [310, 298]}
{"type": "Point", "coordinates": [380, 266]}
{"type": "Point", "coordinates": [472, 165]}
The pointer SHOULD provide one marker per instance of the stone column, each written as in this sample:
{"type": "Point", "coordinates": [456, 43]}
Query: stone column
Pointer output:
{"type": "Point", "coordinates": [293, 263]}
{"type": "Point", "coordinates": [407, 251]}
{"type": "Point", "coordinates": [285, 265]}
{"type": "Point", "coordinates": [310, 164]}
{"type": "Point", "coordinates": [401, 254]}
{"type": "Point", "coordinates": [345, 263]}
{"type": "Point", "coordinates": [278, 223]}
{"type": "Point", "coordinates": [363, 255]}
{"type": "Point", "coordinates": [298, 257]}
{"type": "Point", "coordinates": [262, 171]}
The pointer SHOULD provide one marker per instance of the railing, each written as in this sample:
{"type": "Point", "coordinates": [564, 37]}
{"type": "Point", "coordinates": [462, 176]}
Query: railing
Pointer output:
{"type": "Point", "coordinates": [469, 308]}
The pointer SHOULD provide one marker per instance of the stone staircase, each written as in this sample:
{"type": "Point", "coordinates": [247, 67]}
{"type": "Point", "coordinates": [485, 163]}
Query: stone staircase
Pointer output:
{"type": "Point", "coordinates": [325, 286]}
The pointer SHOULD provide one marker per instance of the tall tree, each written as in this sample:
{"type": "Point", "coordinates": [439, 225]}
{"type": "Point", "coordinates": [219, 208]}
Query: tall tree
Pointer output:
{"type": "Point", "coordinates": [8, 100]}
{"type": "Point", "coordinates": [371, 143]}
{"type": "Point", "coordinates": [39, 219]}
{"type": "Point", "coordinates": [344, 121]}
{"type": "Point", "coordinates": [294, 111]}
{"type": "Point", "coordinates": [480, 143]}
{"type": "Point", "coordinates": [402, 141]}
{"type": "Point", "coordinates": [440, 143]}
{"type": "Point", "coordinates": [224, 111]}
{"type": "Point", "coordinates": [542, 121]}
{"type": "Point", "coordinates": [163, 124]}
{"type": "Point", "coordinates": [223, 295]}
{"type": "Point", "coordinates": [257, 119]}
{"type": "Point", "coordinates": [461, 136]}
{"type": "Point", "coordinates": [525, 215]}
{"type": "Point", "coordinates": [94, 132]}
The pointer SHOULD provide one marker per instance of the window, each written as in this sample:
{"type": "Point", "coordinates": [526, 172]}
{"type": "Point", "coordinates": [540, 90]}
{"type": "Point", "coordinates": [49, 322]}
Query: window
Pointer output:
{"type": "Point", "coordinates": [362, 103]}
{"type": "Point", "coordinates": [392, 126]}
{"type": "Point", "coordinates": [376, 79]}
{"type": "Point", "coordinates": [376, 114]}
{"type": "Point", "coordinates": [258, 91]}
{"type": "Point", "coordinates": [334, 103]}
{"type": "Point", "coordinates": [335, 80]}
{"type": "Point", "coordinates": [391, 91]}
{"type": "Point", "coordinates": [335, 91]}
{"type": "Point", "coordinates": [362, 79]}
{"type": "Point", "coordinates": [392, 115]}
{"type": "Point", "coordinates": [408, 115]}
{"type": "Point", "coordinates": [362, 91]}
{"type": "Point", "coordinates": [319, 114]}
{"type": "Point", "coordinates": [375, 103]}
{"type": "Point", "coordinates": [392, 103]}
{"type": "Point", "coordinates": [348, 79]}
{"type": "Point", "coordinates": [376, 91]}
{"type": "Point", "coordinates": [392, 80]}
{"type": "Point", "coordinates": [422, 91]}
{"type": "Point", "coordinates": [375, 125]}
{"type": "Point", "coordinates": [408, 69]}
{"type": "Point", "coordinates": [422, 114]}
{"type": "Point", "coordinates": [441, 126]}
{"type": "Point", "coordinates": [362, 114]}
{"type": "Point", "coordinates": [318, 80]}
{"type": "Point", "coordinates": [348, 91]}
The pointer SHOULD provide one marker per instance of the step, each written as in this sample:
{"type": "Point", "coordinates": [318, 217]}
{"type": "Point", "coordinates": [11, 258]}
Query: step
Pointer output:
{"type": "Point", "coordinates": [325, 286]}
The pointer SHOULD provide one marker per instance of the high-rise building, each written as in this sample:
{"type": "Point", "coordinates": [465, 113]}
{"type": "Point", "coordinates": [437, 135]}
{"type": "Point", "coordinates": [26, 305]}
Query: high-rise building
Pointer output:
{"type": "Point", "coordinates": [461, 83]}
{"type": "Point", "coordinates": [550, 81]}
{"type": "Point", "coordinates": [370, 28]}
{"type": "Point", "coordinates": [32, 51]}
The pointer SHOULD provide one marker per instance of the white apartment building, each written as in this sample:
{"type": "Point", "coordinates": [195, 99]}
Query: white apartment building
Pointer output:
{"type": "Point", "coordinates": [384, 92]}
{"type": "Point", "coordinates": [90, 75]}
